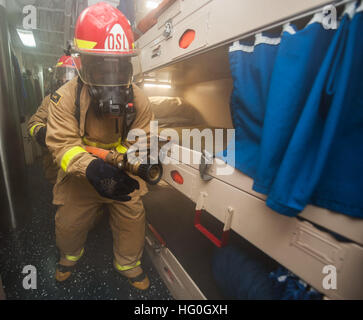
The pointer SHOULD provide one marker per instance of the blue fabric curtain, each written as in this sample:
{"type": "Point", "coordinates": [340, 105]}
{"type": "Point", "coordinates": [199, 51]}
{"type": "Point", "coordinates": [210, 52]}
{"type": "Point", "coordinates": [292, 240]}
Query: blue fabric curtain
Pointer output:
{"type": "Point", "coordinates": [341, 183]}
{"type": "Point", "coordinates": [307, 145]}
{"type": "Point", "coordinates": [251, 67]}
{"type": "Point", "coordinates": [297, 64]}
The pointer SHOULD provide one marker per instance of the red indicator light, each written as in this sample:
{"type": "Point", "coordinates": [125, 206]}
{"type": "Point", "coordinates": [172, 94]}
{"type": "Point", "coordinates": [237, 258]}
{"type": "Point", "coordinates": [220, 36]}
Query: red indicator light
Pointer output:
{"type": "Point", "coordinates": [177, 177]}
{"type": "Point", "coordinates": [186, 39]}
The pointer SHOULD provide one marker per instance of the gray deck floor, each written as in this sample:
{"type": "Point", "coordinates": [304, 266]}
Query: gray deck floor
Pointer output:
{"type": "Point", "coordinates": [34, 244]}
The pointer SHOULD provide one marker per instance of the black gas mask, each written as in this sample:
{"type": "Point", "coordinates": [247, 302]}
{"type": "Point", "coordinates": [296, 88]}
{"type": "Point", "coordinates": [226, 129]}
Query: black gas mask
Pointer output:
{"type": "Point", "coordinates": [108, 79]}
{"type": "Point", "coordinates": [110, 100]}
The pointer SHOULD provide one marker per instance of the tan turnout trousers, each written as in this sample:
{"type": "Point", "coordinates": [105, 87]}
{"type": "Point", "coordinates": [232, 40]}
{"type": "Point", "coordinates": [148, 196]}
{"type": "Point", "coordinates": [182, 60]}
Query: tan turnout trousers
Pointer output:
{"type": "Point", "coordinates": [77, 216]}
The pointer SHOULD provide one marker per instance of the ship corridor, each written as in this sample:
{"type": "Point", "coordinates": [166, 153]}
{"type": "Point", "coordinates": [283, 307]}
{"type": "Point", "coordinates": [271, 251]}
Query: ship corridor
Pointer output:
{"type": "Point", "coordinates": [27, 231]}
{"type": "Point", "coordinates": [266, 244]}
{"type": "Point", "coordinates": [27, 226]}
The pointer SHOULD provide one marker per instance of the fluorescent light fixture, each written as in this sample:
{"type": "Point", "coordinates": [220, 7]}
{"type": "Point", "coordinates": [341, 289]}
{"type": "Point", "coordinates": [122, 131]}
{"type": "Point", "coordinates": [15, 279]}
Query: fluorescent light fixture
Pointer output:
{"type": "Point", "coordinates": [157, 85]}
{"type": "Point", "coordinates": [152, 4]}
{"type": "Point", "coordinates": [27, 37]}
{"type": "Point", "coordinates": [113, 3]}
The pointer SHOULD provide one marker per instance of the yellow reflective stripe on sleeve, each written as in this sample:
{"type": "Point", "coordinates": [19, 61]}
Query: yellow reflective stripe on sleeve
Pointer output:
{"type": "Point", "coordinates": [125, 268]}
{"type": "Point", "coordinates": [101, 145]}
{"type": "Point", "coordinates": [31, 131]}
{"type": "Point", "coordinates": [75, 258]}
{"type": "Point", "coordinates": [69, 155]}
{"type": "Point", "coordinates": [121, 149]}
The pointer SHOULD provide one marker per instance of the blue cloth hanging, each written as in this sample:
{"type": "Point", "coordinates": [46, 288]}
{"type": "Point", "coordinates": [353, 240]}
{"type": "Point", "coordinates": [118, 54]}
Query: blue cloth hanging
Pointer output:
{"type": "Point", "coordinates": [288, 286]}
{"type": "Point", "coordinates": [246, 275]}
{"type": "Point", "coordinates": [242, 275]}
{"type": "Point", "coordinates": [341, 182]}
{"type": "Point", "coordinates": [297, 64]}
{"type": "Point", "coordinates": [308, 150]}
{"type": "Point", "coordinates": [298, 113]}
{"type": "Point", "coordinates": [251, 68]}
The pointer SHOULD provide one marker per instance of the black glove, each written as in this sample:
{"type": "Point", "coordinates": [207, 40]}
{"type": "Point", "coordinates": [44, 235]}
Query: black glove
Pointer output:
{"type": "Point", "coordinates": [109, 181]}
{"type": "Point", "coordinates": [40, 136]}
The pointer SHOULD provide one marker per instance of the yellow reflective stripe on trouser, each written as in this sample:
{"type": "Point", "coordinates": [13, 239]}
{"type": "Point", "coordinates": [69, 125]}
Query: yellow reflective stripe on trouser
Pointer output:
{"type": "Point", "coordinates": [31, 131]}
{"type": "Point", "coordinates": [69, 155]}
{"type": "Point", "coordinates": [125, 268]}
{"type": "Point", "coordinates": [75, 258]}
{"type": "Point", "coordinates": [100, 144]}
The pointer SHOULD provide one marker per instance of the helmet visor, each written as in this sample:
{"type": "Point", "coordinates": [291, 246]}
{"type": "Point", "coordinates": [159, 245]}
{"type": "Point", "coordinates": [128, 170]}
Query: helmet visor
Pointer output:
{"type": "Point", "coordinates": [104, 70]}
{"type": "Point", "coordinates": [64, 74]}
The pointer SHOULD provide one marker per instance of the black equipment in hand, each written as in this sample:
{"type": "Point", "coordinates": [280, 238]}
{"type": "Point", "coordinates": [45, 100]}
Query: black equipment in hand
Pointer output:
{"type": "Point", "coordinates": [109, 181]}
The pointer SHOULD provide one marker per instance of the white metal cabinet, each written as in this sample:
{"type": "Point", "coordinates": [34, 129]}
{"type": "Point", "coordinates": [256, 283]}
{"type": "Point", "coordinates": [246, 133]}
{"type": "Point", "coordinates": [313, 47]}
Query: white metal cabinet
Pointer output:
{"type": "Point", "coordinates": [216, 22]}
{"type": "Point", "coordinates": [176, 13]}
{"type": "Point", "coordinates": [197, 22]}
{"type": "Point", "coordinates": [297, 245]}
{"type": "Point", "coordinates": [349, 227]}
{"type": "Point", "coordinates": [230, 19]}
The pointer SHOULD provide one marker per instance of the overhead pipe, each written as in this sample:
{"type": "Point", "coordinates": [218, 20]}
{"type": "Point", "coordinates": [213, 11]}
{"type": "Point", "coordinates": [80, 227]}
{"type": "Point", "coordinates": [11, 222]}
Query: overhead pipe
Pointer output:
{"type": "Point", "coordinates": [68, 8]}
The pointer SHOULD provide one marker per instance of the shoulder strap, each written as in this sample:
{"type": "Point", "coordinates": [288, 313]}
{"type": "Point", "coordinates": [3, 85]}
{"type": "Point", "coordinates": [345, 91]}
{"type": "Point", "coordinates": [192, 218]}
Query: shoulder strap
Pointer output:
{"type": "Point", "coordinates": [129, 115]}
{"type": "Point", "coordinates": [77, 112]}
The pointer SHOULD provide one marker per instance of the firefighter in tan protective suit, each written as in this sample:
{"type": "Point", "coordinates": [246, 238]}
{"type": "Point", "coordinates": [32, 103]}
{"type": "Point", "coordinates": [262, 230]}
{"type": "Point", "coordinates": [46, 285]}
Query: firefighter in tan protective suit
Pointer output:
{"type": "Point", "coordinates": [99, 108]}
{"type": "Point", "coordinates": [37, 124]}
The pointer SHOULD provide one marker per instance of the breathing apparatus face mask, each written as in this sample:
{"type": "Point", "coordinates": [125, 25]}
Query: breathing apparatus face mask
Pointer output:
{"type": "Point", "coordinates": [109, 81]}
{"type": "Point", "coordinates": [107, 100]}
{"type": "Point", "coordinates": [104, 70]}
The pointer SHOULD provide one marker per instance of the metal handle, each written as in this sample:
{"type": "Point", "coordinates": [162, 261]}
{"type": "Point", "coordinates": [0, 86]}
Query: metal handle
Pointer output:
{"type": "Point", "coordinates": [156, 52]}
{"type": "Point", "coordinates": [205, 163]}
{"type": "Point", "coordinates": [168, 29]}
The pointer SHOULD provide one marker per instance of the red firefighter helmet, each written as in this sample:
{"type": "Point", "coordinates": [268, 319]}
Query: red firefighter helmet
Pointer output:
{"type": "Point", "coordinates": [104, 46]}
{"type": "Point", "coordinates": [65, 61]}
{"type": "Point", "coordinates": [65, 70]}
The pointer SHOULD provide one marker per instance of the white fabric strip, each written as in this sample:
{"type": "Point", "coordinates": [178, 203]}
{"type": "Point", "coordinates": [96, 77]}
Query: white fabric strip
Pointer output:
{"type": "Point", "coordinates": [263, 39]}
{"type": "Point", "coordinates": [236, 46]}
{"type": "Point", "coordinates": [360, 8]}
{"type": "Point", "coordinates": [350, 9]}
{"type": "Point", "coordinates": [288, 28]}
{"type": "Point", "coordinates": [318, 17]}
{"type": "Point", "coordinates": [323, 18]}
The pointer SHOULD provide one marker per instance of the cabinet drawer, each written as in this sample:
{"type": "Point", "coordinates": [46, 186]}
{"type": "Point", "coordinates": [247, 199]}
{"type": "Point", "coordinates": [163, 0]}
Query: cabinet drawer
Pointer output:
{"type": "Point", "coordinates": [180, 11]}
{"type": "Point", "coordinates": [164, 50]}
{"type": "Point", "coordinates": [152, 55]}
{"type": "Point", "coordinates": [198, 23]}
